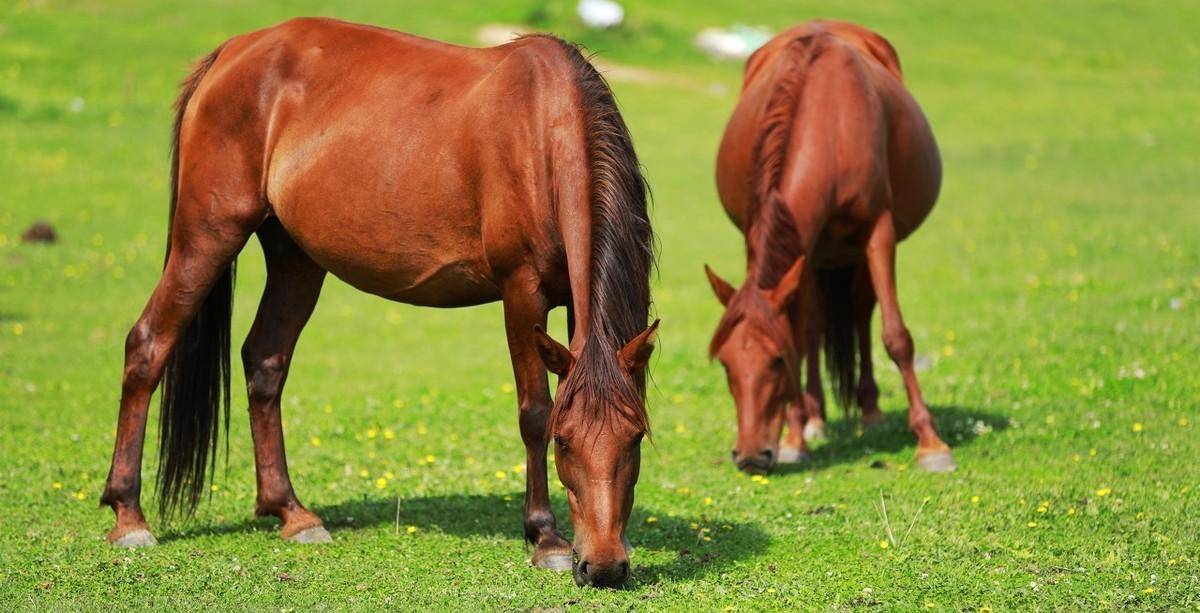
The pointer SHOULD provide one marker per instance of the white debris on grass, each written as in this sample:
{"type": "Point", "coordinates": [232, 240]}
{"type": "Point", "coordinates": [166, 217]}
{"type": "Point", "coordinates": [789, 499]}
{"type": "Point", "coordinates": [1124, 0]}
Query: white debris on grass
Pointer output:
{"type": "Point", "coordinates": [734, 43]}
{"type": "Point", "coordinates": [600, 14]}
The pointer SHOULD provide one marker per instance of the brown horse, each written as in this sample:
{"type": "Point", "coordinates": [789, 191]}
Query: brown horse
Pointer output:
{"type": "Point", "coordinates": [425, 173]}
{"type": "Point", "coordinates": [826, 164]}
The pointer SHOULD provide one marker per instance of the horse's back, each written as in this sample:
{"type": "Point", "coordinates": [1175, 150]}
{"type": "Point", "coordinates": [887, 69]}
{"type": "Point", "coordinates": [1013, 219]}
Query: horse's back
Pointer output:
{"type": "Point", "coordinates": [408, 167]}
{"type": "Point", "coordinates": [858, 139]}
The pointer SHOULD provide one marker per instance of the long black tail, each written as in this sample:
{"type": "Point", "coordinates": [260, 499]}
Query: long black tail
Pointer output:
{"type": "Point", "coordinates": [836, 288]}
{"type": "Point", "coordinates": [196, 381]}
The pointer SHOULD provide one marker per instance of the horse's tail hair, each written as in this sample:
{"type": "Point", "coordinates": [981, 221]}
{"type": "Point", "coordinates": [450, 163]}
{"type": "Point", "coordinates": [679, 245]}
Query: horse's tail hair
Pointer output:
{"type": "Point", "coordinates": [836, 289]}
{"type": "Point", "coordinates": [196, 380]}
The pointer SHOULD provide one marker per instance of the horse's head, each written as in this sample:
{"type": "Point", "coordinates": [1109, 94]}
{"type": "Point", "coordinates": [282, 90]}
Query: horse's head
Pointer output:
{"type": "Point", "coordinates": [755, 343]}
{"type": "Point", "coordinates": [597, 447]}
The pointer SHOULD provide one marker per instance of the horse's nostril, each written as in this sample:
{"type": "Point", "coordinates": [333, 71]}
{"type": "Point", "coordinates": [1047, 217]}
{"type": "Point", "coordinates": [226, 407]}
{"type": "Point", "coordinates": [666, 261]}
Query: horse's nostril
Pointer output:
{"type": "Point", "coordinates": [768, 454]}
{"type": "Point", "coordinates": [733, 453]}
{"type": "Point", "coordinates": [625, 569]}
{"type": "Point", "coordinates": [583, 567]}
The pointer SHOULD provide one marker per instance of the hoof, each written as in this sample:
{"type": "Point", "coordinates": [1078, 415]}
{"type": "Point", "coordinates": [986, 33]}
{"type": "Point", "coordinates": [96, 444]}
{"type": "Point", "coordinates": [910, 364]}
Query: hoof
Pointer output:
{"type": "Point", "coordinates": [555, 561]}
{"type": "Point", "coordinates": [937, 462]}
{"type": "Point", "coordinates": [135, 539]}
{"type": "Point", "coordinates": [315, 534]}
{"type": "Point", "coordinates": [555, 555]}
{"type": "Point", "coordinates": [814, 431]}
{"type": "Point", "coordinates": [792, 455]}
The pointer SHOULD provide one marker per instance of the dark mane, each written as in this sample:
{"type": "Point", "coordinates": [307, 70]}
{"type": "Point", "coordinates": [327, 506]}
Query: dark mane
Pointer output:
{"type": "Point", "coordinates": [622, 258]}
{"type": "Point", "coordinates": [774, 242]}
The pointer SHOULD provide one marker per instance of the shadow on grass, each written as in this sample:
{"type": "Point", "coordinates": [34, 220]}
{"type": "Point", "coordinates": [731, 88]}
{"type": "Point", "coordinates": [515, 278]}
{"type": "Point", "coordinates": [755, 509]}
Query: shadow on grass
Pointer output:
{"type": "Point", "coordinates": [957, 426]}
{"type": "Point", "coordinates": [493, 516]}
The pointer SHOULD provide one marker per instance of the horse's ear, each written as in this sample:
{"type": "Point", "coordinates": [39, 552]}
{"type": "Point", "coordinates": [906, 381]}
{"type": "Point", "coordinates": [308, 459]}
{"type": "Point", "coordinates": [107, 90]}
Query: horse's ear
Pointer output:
{"type": "Point", "coordinates": [783, 293]}
{"type": "Point", "coordinates": [558, 359]}
{"type": "Point", "coordinates": [721, 288]}
{"type": "Point", "coordinates": [636, 353]}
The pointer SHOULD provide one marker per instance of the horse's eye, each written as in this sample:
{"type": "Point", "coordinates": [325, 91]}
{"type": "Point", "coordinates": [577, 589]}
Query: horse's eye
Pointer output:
{"type": "Point", "coordinates": [558, 440]}
{"type": "Point", "coordinates": [777, 363]}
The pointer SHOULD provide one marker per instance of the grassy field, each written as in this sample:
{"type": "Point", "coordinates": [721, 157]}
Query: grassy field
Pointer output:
{"type": "Point", "coordinates": [1054, 294]}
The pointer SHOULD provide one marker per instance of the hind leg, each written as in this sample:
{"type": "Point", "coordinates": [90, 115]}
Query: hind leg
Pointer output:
{"type": "Point", "coordinates": [198, 258]}
{"type": "Point", "coordinates": [932, 453]}
{"type": "Point", "coordinates": [291, 292]}
{"type": "Point", "coordinates": [864, 308]}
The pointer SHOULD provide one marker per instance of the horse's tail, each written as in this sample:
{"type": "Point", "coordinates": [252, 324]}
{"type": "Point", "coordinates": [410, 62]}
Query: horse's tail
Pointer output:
{"type": "Point", "coordinates": [836, 289]}
{"type": "Point", "coordinates": [196, 380]}
{"type": "Point", "coordinates": [776, 243]}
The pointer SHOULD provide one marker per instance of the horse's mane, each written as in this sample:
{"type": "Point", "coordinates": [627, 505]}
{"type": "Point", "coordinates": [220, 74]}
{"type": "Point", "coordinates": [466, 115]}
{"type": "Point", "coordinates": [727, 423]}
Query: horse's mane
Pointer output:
{"type": "Point", "coordinates": [622, 259]}
{"type": "Point", "coordinates": [773, 239]}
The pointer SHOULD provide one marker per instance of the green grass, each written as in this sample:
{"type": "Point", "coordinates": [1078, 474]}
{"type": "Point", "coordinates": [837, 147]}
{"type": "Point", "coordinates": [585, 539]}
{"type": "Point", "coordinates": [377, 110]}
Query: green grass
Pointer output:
{"type": "Point", "coordinates": [1056, 290]}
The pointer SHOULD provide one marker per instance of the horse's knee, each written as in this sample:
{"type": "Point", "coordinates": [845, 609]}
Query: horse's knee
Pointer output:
{"type": "Point", "coordinates": [899, 344]}
{"type": "Point", "coordinates": [533, 419]}
{"type": "Point", "coordinates": [264, 374]}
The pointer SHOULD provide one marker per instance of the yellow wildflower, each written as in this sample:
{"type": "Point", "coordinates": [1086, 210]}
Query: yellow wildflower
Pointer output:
{"type": "Point", "coordinates": [57, 485]}
{"type": "Point", "coordinates": [389, 434]}
{"type": "Point", "coordinates": [411, 529]}
{"type": "Point", "coordinates": [652, 520]}
{"type": "Point", "coordinates": [1104, 491]}
{"type": "Point", "coordinates": [501, 474]}
{"type": "Point", "coordinates": [974, 499]}
{"type": "Point", "coordinates": [883, 544]}
{"type": "Point", "coordinates": [316, 441]}
{"type": "Point", "coordinates": [708, 501]}
{"type": "Point", "coordinates": [381, 483]}
{"type": "Point", "coordinates": [1137, 426]}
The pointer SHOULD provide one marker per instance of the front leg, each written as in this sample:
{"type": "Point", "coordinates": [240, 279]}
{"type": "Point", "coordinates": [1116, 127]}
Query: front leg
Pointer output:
{"type": "Point", "coordinates": [524, 308]}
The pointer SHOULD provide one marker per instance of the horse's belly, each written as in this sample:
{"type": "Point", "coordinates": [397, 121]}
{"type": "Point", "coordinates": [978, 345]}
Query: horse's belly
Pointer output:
{"type": "Point", "coordinates": [417, 257]}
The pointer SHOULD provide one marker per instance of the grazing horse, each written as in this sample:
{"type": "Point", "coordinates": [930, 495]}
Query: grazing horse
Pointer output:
{"type": "Point", "coordinates": [425, 173]}
{"type": "Point", "coordinates": [826, 164]}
